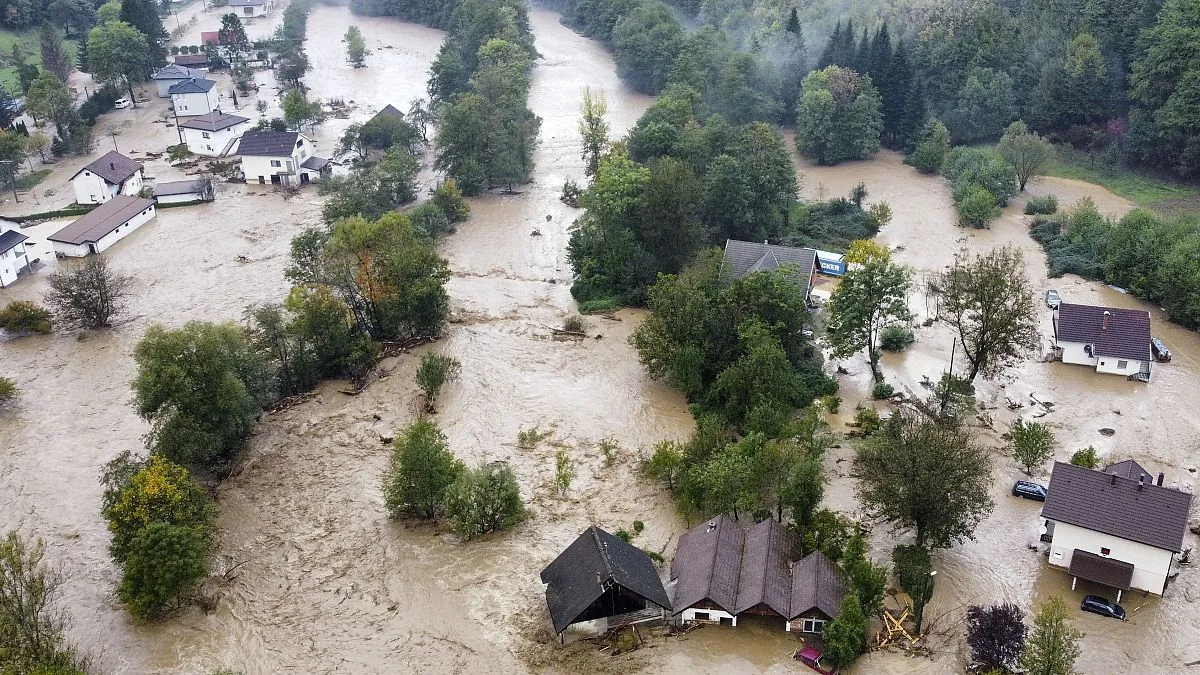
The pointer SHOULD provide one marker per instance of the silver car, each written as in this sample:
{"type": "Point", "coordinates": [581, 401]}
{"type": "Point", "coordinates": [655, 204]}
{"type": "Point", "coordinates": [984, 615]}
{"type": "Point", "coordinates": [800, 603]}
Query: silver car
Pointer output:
{"type": "Point", "coordinates": [1053, 299]}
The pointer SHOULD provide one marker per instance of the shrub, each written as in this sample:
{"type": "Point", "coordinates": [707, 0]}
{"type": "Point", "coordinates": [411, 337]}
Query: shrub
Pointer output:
{"type": "Point", "coordinates": [178, 152]}
{"type": "Point", "coordinates": [564, 472]}
{"type": "Point", "coordinates": [31, 623]}
{"type": "Point", "coordinates": [977, 208]}
{"type": "Point", "coordinates": [832, 403]}
{"type": "Point", "coordinates": [654, 555]}
{"type": "Point", "coordinates": [8, 390]}
{"type": "Point", "coordinates": [1031, 445]}
{"type": "Point", "coordinates": [422, 467]}
{"type": "Point", "coordinates": [882, 390]}
{"type": "Point", "coordinates": [638, 527]}
{"type": "Point", "coordinates": [896, 338]}
{"type": "Point", "coordinates": [623, 535]}
{"type": "Point", "coordinates": [483, 500]}
{"type": "Point", "coordinates": [1086, 458]}
{"type": "Point", "coordinates": [867, 421]}
{"type": "Point", "coordinates": [574, 324]}
{"type": "Point", "coordinates": [609, 447]}
{"type": "Point", "coordinates": [88, 294]}
{"type": "Point", "coordinates": [527, 439]}
{"type": "Point", "coordinates": [598, 305]}
{"type": "Point", "coordinates": [1041, 205]}
{"type": "Point", "coordinates": [435, 370]}
{"type": "Point", "coordinates": [449, 200]}
{"type": "Point", "coordinates": [164, 565]}
{"type": "Point", "coordinates": [666, 464]}
{"type": "Point", "coordinates": [22, 316]}
{"type": "Point", "coordinates": [846, 635]}
{"type": "Point", "coordinates": [571, 193]}
{"type": "Point", "coordinates": [913, 569]}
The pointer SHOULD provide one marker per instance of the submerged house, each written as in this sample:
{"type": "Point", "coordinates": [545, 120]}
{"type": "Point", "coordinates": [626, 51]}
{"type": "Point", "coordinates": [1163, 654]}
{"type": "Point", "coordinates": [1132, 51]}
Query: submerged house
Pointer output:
{"type": "Point", "coordinates": [745, 257]}
{"type": "Point", "coordinates": [1118, 527]}
{"type": "Point", "coordinates": [722, 571]}
{"type": "Point", "coordinates": [280, 157]}
{"type": "Point", "coordinates": [173, 74]}
{"type": "Point", "coordinates": [111, 175]}
{"type": "Point", "coordinates": [14, 260]}
{"type": "Point", "coordinates": [601, 576]}
{"type": "Point", "coordinates": [1110, 339]}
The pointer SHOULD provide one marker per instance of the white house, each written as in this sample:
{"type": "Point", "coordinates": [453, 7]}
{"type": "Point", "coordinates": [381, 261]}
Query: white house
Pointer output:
{"type": "Point", "coordinates": [249, 9]}
{"type": "Point", "coordinates": [184, 191]}
{"type": "Point", "coordinates": [102, 227]}
{"type": "Point", "coordinates": [1118, 527]}
{"type": "Point", "coordinates": [113, 174]}
{"type": "Point", "coordinates": [172, 75]}
{"type": "Point", "coordinates": [1111, 340]}
{"type": "Point", "coordinates": [196, 96]}
{"type": "Point", "coordinates": [280, 157]}
{"type": "Point", "coordinates": [13, 259]}
{"type": "Point", "coordinates": [213, 134]}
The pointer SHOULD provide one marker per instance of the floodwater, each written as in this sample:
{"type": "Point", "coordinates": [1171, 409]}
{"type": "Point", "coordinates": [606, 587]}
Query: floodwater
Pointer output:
{"type": "Point", "coordinates": [313, 578]}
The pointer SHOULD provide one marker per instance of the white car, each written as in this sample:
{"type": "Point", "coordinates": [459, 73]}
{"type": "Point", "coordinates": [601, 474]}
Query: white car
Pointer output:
{"type": "Point", "coordinates": [1053, 299]}
{"type": "Point", "coordinates": [121, 103]}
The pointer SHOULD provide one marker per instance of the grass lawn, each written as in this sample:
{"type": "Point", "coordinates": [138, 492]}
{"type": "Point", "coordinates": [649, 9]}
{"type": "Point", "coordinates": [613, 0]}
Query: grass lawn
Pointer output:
{"type": "Point", "coordinates": [31, 47]}
{"type": "Point", "coordinates": [1152, 191]}
{"type": "Point", "coordinates": [30, 180]}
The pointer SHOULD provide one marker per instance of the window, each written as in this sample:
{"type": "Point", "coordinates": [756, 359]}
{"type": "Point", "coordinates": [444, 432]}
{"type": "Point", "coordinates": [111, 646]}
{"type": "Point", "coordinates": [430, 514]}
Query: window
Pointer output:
{"type": "Point", "coordinates": [813, 626]}
{"type": "Point", "coordinates": [1105, 551]}
{"type": "Point", "coordinates": [1122, 365]}
{"type": "Point", "coordinates": [701, 616]}
{"type": "Point", "coordinates": [274, 162]}
{"type": "Point", "coordinates": [205, 134]}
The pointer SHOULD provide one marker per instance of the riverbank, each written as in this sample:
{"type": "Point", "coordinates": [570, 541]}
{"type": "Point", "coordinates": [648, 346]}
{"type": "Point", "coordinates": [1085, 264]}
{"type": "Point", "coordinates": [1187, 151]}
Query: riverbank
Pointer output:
{"type": "Point", "coordinates": [1158, 193]}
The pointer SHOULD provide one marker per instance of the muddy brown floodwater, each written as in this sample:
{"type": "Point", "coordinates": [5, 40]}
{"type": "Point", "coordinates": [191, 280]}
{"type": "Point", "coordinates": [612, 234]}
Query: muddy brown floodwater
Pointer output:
{"type": "Point", "coordinates": [321, 582]}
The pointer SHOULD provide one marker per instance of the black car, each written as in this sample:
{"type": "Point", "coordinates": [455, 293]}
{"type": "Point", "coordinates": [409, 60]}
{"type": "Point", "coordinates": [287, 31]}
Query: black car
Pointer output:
{"type": "Point", "coordinates": [1024, 488]}
{"type": "Point", "coordinates": [1098, 605]}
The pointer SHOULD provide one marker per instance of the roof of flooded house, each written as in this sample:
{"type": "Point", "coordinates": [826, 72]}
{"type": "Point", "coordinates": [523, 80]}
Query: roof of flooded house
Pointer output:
{"type": "Point", "coordinates": [247, 3]}
{"type": "Point", "coordinates": [179, 187]}
{"type": "Point", "coordinates": [388, 110]}
{"type": "Point", "coordinates": [1122, 507]}
{"type": "Point", "coordinates": [196, 85]}
{"type": "Point", "coordinates": [10, 238]}
{"type": "Point", "coordinates": [174, 71]}
{"type": "Point", "coordinates": [268, 143]}
{"type": "Point", "coordinates": [1126, 335]}
{"type": "Point", "coordinates": [100, 221]}
{"type": "Point", "coordinates": [583, 572]}
{"type": "Point", "coordinates": [113, 167]}
{"type": "Point", "coordinates": [816, 584]}
{"type": "Point", "coordinates": [746, 257]}
{"type": "Point", "coordinates": [1108, 571]}
{"type": "Point", "coordinates": [707, 564]}
{"type": "Point", "coordinates": [213, 121]}
{"type": "Point", "coordinates": [191, 59]}
{"type": "Point", "coordinates": [765, 577]}
{"type": "Point", "coordinates": [315, 163]}
{"type": "Point", "coordinates": [1127, 469]}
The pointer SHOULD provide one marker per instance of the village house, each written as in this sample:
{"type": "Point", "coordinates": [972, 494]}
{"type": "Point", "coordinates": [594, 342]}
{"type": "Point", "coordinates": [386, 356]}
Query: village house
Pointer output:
{"type": "Point", "coordinates": [110, 175]}
{"type": "Point", "coordinates": [193, 62]}
{"type": "Point", "coordinates": [1118, 527]}
{"type": "Point", "coordinates": [1111, 340]}
{"type": "Point", "coordinates": [281, 157]}
{"type": "Point", "coordinates": [184, 191]}
{"type": "Point", "coordinates": [13, 259]}
{"type": "Point", "coordinates": [722, 571]}
{"type": "Point", "coordinates": [214, 133]}
{"type": "Point", "coordinates": [172, 75]}
{"type": "Point", "coordinates": [746, 257]}
{"type": "Point", "coordinates": [600, 576]}
{"type": "Point", "coordinates": [103, 226]}
{"type": "Point", "coordinates": [249, 9]}
{"type": "Point", "coordinates": [195, 96]}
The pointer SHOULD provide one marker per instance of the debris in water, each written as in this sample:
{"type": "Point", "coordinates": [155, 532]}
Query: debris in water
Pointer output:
{"type": "Point", "coordinates": [241, 258]}
{"type": "Point", "coordinates": [1106, 431]}
{"type": "Point", "coordinates": [536, 233]}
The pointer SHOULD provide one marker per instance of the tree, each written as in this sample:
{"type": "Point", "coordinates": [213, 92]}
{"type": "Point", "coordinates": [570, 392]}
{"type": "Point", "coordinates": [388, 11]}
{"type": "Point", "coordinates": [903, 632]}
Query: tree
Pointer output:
{"type": "Point", "coordinates": [985, 104]}
{"type": "Point", "coordinates": [108, 12]}
{"type": "Point", "coordinates": [297, 109]}
{"type": "Point", "coordinates": [564, 472]}
{"type": "Point", "coordinates": [931, 149]}
{"type": "Point", "coordinates": [55, 58]}
{"type": "Point", "coordinates": [1026, 151]}
{"type": "Point", "coordinates": [138, 492]}
{"type": "Point", "coordinates": [1052, 646]}
{"type": "Point", "coordinates": [356, 47]}
{"type": "Point", "coordinates": [22, 316]}
{"type": "Point", "coordinates": [434, 371]}
{"type": "Point", "coordinates": [929, 477]}
{"type": "Point", "coordinates": [730, 480]}
{"type": "Point", "coordinates": [79, 14]}
{"type": "Point", "coordinates": [1031, 445]}
{"type": "Point", "coordinates": [88, 294]}
{"type": "Point", "coordinates": [1086, 458]}
{"type": "Point", "coordinates": [977, 207]}
{"type": "Point", "coordinates": [989, 303]}
{"type": "Point", "coordinates": [165, 564]}
{"type": "Point", "coordinates": [846, 635]}
{"type": "Point", "coordinates": [914, 571]}
{"type": "Point", "coordinates": [868, 580]}
{"type": "Point", "coordinates": [996, 635]}
{"type": "Point", "coordinates": [31, 626]}
{"type": "Point", "coordinates": [594, 130]}
{"type": "Point", "coordinates": [421, 116]}
{"type": "Point", "coordinates": [1164, 86]}
{"type": "Point", "coordinates": [838, 117]}
{"type": "Point", "coordinates": [37, 142]}
{"type": "Point", "coordinates": [868, 299]}
{"type": "Point", "coordinates": [291, 65]}
{"type": "Point", "coordinates": [199, 387]}
{"type": "Point", "coordinates": [49, 99]}
{"type": "Point", "coordinates": [142, 16]}
{"type": "Point", "coordinates": [232, 33]}
{"type": "Point", "coordinates": [119, 55]}
{"type": "Point", "coordinates": [485, 499]}
{"type": "Point", "coordinates": [421, 470]}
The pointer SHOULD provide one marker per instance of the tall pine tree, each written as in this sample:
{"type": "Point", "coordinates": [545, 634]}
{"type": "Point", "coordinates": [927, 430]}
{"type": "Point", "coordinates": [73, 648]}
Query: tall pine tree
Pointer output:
{"type": "Point", "coordinates": [54, 54]}
{"type": "Point", "coordinates": [830, 56]}
{"type": "Point", "coordinates": [143, 15]}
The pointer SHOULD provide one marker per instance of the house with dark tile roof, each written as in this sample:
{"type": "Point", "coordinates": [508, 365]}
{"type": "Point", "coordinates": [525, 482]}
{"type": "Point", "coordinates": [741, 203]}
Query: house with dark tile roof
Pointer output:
{"type": "Point", "coordinates": [284, 158]}
{"type": "Point", "coordinates": [1119, 528]}
{"type": "Point", "coordinates": [213, 134]}
{"type": "Point", "coordinates": [103, 226]}
{"type": "Point", "coordinates": [14, 261]}
{"type": "Point", "coordinates": [111, 175]}
{"type": "Point", "coordinates": [747, 257]}
{"type": "Point", "coordinates": [171, 75]}
{"type": "Point", "coordinates": [600, 576]}
{"type": "Point", "coordinates": [1110, 339]}
{"type": "Point", "coordinates": [723, 571]}
{"type": "Point", "coordinates": [194, 96]}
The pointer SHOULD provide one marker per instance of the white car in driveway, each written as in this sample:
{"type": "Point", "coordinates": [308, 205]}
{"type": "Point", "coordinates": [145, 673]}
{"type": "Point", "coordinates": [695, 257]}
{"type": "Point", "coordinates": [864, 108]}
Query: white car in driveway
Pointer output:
{"type": "Point", "coordinates": [1053, 299]}
{"type": "Point", "coordinates": [121, 103]}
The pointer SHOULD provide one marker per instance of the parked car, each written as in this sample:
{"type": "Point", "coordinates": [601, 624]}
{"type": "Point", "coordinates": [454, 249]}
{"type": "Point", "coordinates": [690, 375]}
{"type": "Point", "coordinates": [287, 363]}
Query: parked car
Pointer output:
{"type": "Point", "coordinates": [1160, 350]}
{"type": "Point", "coordinates": [121, 103]}
{"type": "Point", "coordinates": [1053, 299]}
{"type": "Point", "coordinates": [1028, 490]}
{"type": "Point", "coordinates": [1098, 605]}
{"type": "Point", "coordinates": [811, 657]}
{"type": "Point", "coordinates": [16, 106]}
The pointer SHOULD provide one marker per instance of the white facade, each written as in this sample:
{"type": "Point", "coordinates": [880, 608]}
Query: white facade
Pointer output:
{"type": "Point", "coordinates": [706, 616]}
{"type": "Point", "coordinates": [212, 143]}
{"type": "Point", "coordinates": [1151, 565]}
{"type": "Point", "coordinates": [178, 199]}
{"type": "Point", "coordinates": [92, 189]}
{"type": "Point", "coordinates": [105, 242]}
{"type": "Point", "coordinates": [198, 103]}
{"type": "Point", "coordinates": [806, 625]}
{"type": "Point", "coordinates": [13, 260]}
{"type": "Point", "coordinates": [264, 169]}
{"type": "Point", "coordinates": [251, 11]}
{"type": "Point", "coordinates": [1080, 353]}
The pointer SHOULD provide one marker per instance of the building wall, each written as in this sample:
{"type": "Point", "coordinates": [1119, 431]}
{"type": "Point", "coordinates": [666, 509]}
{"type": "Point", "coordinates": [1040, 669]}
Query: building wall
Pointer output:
{"type": "Point", "coordinates": [1073, 352]}
{"type": "Point", "coordinates": [132, 185]}
{"type": "Point", "coordinates": [164, 86]}
{"type": "Point", "coordinates": [178, 199]}
{"type": "Point", "coordinates": [11, 262]}
{"type": "Point", "coordinates": [71, 250]}
{"type": "Point", "coordinates": [92, 189]}
{"type": "Point", "coordinates": [250, 12]}
{"type": "Point", "coordinates": [1112, 366]}
{"type": "Point", "coordinates": [216, 142]}
{"type": "Point", "coordinates": [189, 105]}
{"type": "Point", "coordinates": [714, 615]}
{"type": "Point", "coordinates": [255, 166]}
{"type": "Point", "coordinates": [106, 242]}
{"type": "Point", "coordinates": [1151, 565]}
{"type": "Point", "coordinates": [797, 624]}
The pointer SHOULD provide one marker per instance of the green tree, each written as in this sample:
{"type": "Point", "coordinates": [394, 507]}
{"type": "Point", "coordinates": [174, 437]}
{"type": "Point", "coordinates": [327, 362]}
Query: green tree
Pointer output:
{"type": "Point", "coordinates": [356, 47]}
{"type": "Point", "coordinates": [564, 472]}
{"type": "Point", "coordinates": [421, 469]}
{"type": "Point", "coordinates": [49, 99]}
{"type": "Point", "coordinates": [1052, 646]}
{"type": "Point", "coordinates": [78, 14]}
{"type": "Point", "coordinates": [593, 128]}
{"type": "Point", "coordinates": [138, 492]}
{"type": "Point", "coordinates": [1086, 458]}
{"type": "Point", "coordinates": [1031, 444]}
{"type": "Point", "coordinates": [925, 476]}
{"type": "Point", "coordinates": [868, 299]}
{"type": "Point", "coordinates": [31, 626]}
{"type": "Point", "coordinates": [108, 12]}
{"type": "Point", "coordinates": [838, 117]}
{"type": "Point", "coordinates": [55, 58]}
{"type": "Point", "coordinates": [164, 565]}
{"type": "Point", "coordinates": [232, 33]}
{"type": "Point", "coordinates": [989, 303]}
{"type": "Point", "coordinates": [914, 570]}
{"type": "Point", "coordinates": [434, 371]}
{"type": "Point", "coordinates": [485, 499]}
{"type": "Point", "coordinates": [327, 332]}
{"type": "Point", "coordinates": [89, 294]}
{"type": "Point", "coordinates": [868, 580]}
{"type": "Point", "coordinates": [143, 16]}
{"type": "Point", "coordinates": [977, 207]}
{"type": "Point", "coordinates": [665, 464]}
{"type": "Point", "coordinates": [729, 477]}
{"type": "Point", "coordinates": [119, 55]}
{"type": "Point", "coordinates": [1025, 151]}
{"type": "Point", "coordinates": [931, 148]}
{"type": "Point", "coordinates": [845, 636]}
{"type": "Point", "coordinates": [1164, 88]}
{"type": "Point", "coordinates": [1075, 90]}
{"type": "Point", "coordinates": [986, 103]}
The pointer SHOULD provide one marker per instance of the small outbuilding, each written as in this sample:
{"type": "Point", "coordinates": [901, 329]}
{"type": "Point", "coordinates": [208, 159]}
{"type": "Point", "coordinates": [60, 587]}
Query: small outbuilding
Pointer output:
{"type": "Point", "coordinates": [212, 134]}
{"type": "Point", "coordinates": [194, 96]}
{"type": "Point", "coordinates": [111, 175]}
{"type": "Point", "coordinates": [600, 576]}
{"type": "Point", "coordinates": [103, 226]}
{"type": "Point", "coordinates": [13, 260]}
{"type": "Point", "coordinates": [747, 257]}
{"type": "Point", "coordinates": [193, 62]}
{"type": "Point", "coordinates": [249, 9]}
{"type": "Point", "coordinates": [184, 191]}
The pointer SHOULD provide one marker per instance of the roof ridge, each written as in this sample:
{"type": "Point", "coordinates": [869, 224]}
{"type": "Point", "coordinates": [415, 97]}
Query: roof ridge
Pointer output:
{"type": "Point", "coordinates": [602, 548]}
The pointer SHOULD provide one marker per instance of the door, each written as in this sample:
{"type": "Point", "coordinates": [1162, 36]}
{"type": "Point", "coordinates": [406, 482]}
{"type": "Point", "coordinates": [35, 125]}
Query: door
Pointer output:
{"type": "Point", "coordinates": [303, 179]}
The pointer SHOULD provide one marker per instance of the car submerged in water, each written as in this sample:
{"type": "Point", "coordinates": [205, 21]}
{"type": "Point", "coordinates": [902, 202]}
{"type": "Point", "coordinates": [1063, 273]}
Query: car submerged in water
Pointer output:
{"type": "Point", "coordinates": [1102, 606]}
{"type": "Point", "coordinates": [1161, 353]}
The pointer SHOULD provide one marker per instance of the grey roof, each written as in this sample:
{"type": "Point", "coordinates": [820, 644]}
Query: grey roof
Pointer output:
{"type": "Point", "coordinates": [1108, 503]}
{"type": "Point", "coordinates": [1108, 571]}
{"type": "Point", "coordinates": [113, 167]}
{"type": "Point", "coordinates": [588, 567]}
{"type": "Point", "coordinates": [1128, 469]}
{"type": "Point", "coordinates": [708, 563]}
{"type": "Point", "coordinates": [816, 584]}
{"type": "Point", "coordinates": [388, 110]}
{"type": "Point", "coordinates": [315, 163]}
{"type": "Point", "coordinates": [191, 59]}
{"type": "Point", "coordinates": [92, 226]}
{"type": "Point", "coordinates": [196, 85]}
{"type": "Point", "coordinates": [213, 121]}
{"type": "Point", "coordinates": [746, 257]}
{"type": "Point", "coordinates": [181, 187]}
{"type": "Point", "coordinates": [1126, 337]}
{"type": "Point", "coordinates": [246, 3]}
{"type": "Point", "coordinates": [174, 72]}
{"type": "Point", "coordinates": [765, 577]}
{"type": "Point", "coordinates": [268, 143]}
{"type": "Point", "coordinates": [9, 239]}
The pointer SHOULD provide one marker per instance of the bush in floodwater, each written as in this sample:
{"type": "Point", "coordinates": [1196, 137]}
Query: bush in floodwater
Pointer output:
{"type": "Point", "coordinates": [421, 469]}
{"type": "Point", "coordinates": [1044, 205]}
{"type": "Point", "coordinates": [88, 294]}
{"type": "Point", "coordinates": [571, 193]}
{"type": "Point", "coordinates": [638, 527]}
{"type": "Point", "coordinates": [598, 305]}
{"type": "Point", "coordinates": [485, 499]}
{"type": "Point", "coordinates": [609, 447]}
{"type": "Point", "coordinates": [8, 390]}
{"type": "Point", "coordinates": [832, 403]}
{"type": "Point", "coordinates": [896, 338]}
{"type": "Point", "coordinates": [624, 535]}
{"type": "Point", "coordinates": [564, 472]}
{"type": "Point", "coordinates": [867, 420]}
{"type": "Point", "coordinates": [435, 370]}
{"type": "Point", "coordinates": [882, 390]}
{"type": "Point", "coordinates": [574, 324]}
{"type": "Point", "coordinates": [1086, 458]}
{"type": "Point", "coordinates": [527, 439]}
{"type": "Point", "coordinates": [22, 316]}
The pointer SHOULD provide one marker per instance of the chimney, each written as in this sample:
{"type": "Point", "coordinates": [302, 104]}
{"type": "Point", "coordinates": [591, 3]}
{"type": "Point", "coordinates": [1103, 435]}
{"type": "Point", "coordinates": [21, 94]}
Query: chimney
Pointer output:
{"type": "Point", "coordinates": [112, 166]}
{"type": "Point", "coordinates": [1141, 481]}
{"type": "Point", "coordinates": [1114, 480]}
{"type": "Point", "coordinates": [1107, 315]}
{"type": "Point", "coordinates": [1161, 476]}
